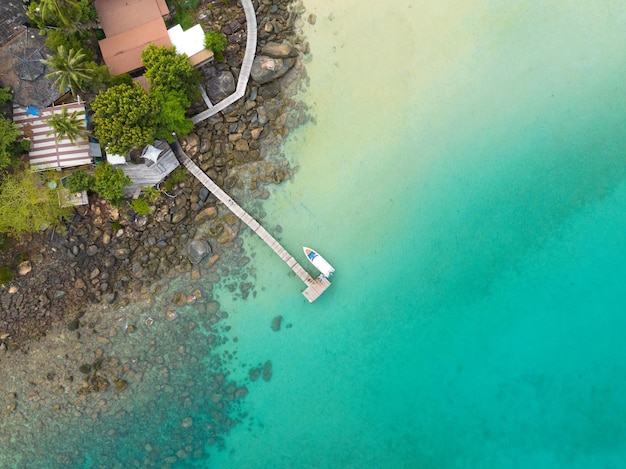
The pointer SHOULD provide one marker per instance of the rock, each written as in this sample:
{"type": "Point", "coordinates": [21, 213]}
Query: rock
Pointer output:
{"type": "Point", "coordinates": [73, 325]}
{"type": "Point", "coordinates": [267, 370]}
{"type": "Point", "coordinates": [197, 250]}
{"type": "Point", "coordinates": [221, 86]}
{"type": "Point", "coordinates": [137, 270]}
{"type": "Point", "coordinates": [312, 19]}
{"type": "Point", "coordinates": [121, 253]}
{"type": "Point", "coordinates": [242, 145]}
{"type": "Point", "coordinates": [191, 143]}
{"type": "Point", "coordinates": [279, 51]}
{"type": "Point", "coordinates": [85, 368]}
{"type": "Point", "coordinates": [241, 392]}
{"type": "Point", "coordinates": [205, 214]}
{"type": "Point", "coordinates": [187, 422]}
{"type": "Point", "coordinates": [276, 323]}
{"type": "Point", "coordinates": [270, 90]}
{"type": "Point", "coordinates": [179, 216]}
{"type": "Point", "coordinates": [119, 385]}
{"type": "Point", "coordinates": [24, 268]}
{"type": "Point", "coordinates": [254, 374]}
{"type": "Point", "coordinates": [256, 133]}
{"type": "Point", "coordinates": [92, 250]}
{"type": "Point", "coordinates": [266, 69]}
{"type": "Point", "coordinates": [58, 294]}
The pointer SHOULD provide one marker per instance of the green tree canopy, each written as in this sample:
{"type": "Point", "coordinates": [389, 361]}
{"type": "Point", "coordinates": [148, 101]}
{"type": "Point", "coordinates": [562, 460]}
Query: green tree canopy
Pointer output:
{"type": "Point", "coordinates": [67, 125]}
{"type": "Point", "coordinates": [54, 12]}
{"type": "Point", "coordinates": [79, 181]}
{"type": "Point", "coordinates": [217, 42]}
{"type": "Point", "coordinates": [110, 182]}
{"type": "Point", "coordinates": [125, 118]}
{"type": "Point", "coordinates": [171, 116]}
{"type": "Point", "coordinates": [6, 95]}
{"type": "Point", "coordinates": [10, 143]}
{"type": "Point", "coordinates": [168, 71]}
{"type": "Point", "coordinates": [27, 205]}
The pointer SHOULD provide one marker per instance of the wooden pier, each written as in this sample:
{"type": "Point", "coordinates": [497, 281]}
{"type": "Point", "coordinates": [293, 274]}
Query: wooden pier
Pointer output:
{"type": "Point", "coordinates": [314, 287]}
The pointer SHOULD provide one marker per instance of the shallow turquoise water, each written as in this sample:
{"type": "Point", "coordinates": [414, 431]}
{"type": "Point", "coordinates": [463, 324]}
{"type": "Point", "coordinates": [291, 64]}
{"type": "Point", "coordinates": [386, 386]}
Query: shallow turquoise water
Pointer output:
{"type": "Point", "coordinates": [466, 177]}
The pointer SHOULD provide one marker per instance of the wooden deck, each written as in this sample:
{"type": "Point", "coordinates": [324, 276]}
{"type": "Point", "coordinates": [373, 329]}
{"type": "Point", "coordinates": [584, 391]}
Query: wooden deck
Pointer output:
{"type": "Point", "coordinates": [143, 175]}
{"type": "Point", "coordinates": [315, 287]}
{"type": "Point", "coordinates": [244, 73]}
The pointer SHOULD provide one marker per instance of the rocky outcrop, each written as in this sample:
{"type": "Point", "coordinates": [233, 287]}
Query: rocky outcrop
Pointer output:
{"type": "Point", "coordinates": [266, 68]}
{"type": "Point", "coordinates": [221, 86]}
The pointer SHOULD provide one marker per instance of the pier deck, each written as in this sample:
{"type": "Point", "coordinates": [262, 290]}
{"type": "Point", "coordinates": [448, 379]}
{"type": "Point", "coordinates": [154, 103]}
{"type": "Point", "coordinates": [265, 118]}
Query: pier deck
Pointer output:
{"type": "Point", "coordinates": [315, 287]}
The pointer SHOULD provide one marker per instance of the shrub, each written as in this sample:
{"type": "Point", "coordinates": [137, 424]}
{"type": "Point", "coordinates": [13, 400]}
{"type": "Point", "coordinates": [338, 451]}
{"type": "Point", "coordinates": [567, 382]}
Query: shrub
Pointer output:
{"type": "Point", "coordinates": [151, 193]}
{"type": "Point", "coordinates": [110, 182]}
{"type": "Point", "coordinates": [141, 206]}
{"type": "Point", "coordinates": [216, 42]}
{"type": "Point", "coordinates": [6, 275]}
{"type": "Point", "coordinates": [6, 95]}
{"type": "Point", "coordinates": [79, 181]}
{"type": "Point", "coordinates": [178, 175]}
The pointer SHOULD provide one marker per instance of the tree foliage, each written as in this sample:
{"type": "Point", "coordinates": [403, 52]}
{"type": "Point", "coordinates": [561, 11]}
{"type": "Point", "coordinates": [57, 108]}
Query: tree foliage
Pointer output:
{"type": "Point", "coordinates": [10, 143]}
{"type": "Point", "coordinates": [171, 116]}
{"type": "Point", "coordinates": [141, 206]}
{"type": "Point", "coordinates": [79, 181]}
{"type": "Point", "coordinates": [71, 69]}
{"type": "Point", "coordinates": [6, 94]}
{"type": "Point", "coordinates": [125, 118]}
{"type": "Point", "coordinates": [27, 205]}
{"type": "Point", "coordinates": [54, 12]}
{"type": "Point", "coordinates": [217, 42]}
{"type": "Point", "coordinates": [168, 71]}
{"type": "Point", "coordinates": [110, 182]}
{"type": "Point", "coordinates": [67, 125]}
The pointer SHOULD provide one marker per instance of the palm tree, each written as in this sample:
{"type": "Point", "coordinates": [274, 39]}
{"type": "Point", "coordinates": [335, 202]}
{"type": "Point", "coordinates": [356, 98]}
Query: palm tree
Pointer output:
{"type": "Point", "coordinates": [69, 125]}
{"type": "Point", "coordinates": [71, 69]}
{"type": "Point", "coordinates": [61, 12]}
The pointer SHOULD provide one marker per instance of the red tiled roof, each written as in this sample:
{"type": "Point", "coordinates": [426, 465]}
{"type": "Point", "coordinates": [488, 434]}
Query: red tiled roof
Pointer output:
{"type": "Point", "coordinates": [130, 26]}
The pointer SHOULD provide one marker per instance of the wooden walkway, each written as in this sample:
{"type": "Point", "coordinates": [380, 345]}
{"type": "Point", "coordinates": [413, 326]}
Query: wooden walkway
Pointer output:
{"type": "Point", "coordinates": [315, 287]}
{"type": "Point", "coordinates": [244, 73]}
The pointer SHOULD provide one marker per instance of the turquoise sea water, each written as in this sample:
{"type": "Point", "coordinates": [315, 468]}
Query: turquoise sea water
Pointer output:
{"type": "Point", "coordinates": [466, 176]}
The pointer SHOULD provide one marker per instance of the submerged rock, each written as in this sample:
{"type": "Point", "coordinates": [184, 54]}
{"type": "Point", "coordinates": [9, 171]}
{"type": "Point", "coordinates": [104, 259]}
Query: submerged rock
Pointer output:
{"type": "Point", "coordinates": [267, 370]}
{"type": "Point", "coordinates": [276, 323]}
{"type": "Point", "coordinates": [197, 250]}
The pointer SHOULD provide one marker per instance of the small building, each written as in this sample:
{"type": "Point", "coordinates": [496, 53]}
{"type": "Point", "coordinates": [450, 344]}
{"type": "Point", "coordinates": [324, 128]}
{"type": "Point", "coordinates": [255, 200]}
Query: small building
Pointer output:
{"type": "Point", "coordinates": [46, 152]}
{"type": "Point", "coordinates": [129, 27]}
{"type": "Point", "coordinates": [190, 42]}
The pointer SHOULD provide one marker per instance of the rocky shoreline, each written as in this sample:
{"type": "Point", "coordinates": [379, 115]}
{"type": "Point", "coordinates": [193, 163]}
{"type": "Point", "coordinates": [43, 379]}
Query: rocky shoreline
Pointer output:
{"type": "Point", "coordinates": [99, 317]}
{"type": "Point", "coordinates": [115, 257]}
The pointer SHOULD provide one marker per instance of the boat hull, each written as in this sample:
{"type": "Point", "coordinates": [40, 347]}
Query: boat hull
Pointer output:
{"type": "Point", "coordinates": [319, 262]}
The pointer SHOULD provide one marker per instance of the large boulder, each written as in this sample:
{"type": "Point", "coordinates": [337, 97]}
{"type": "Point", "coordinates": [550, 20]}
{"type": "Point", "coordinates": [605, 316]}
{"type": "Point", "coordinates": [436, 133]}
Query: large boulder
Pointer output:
{"type": "Point", "coordinates": [221, 86]}
{"type": "Point", "coordinates": [266, 69]}
{"type": "Point", "coordinates": [198, 249]}
{"type": "Point", "coordinates": [279, 51]}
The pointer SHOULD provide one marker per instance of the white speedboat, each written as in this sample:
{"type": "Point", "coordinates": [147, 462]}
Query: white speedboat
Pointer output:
{"type": "Point", "coordinates": [319, 262]}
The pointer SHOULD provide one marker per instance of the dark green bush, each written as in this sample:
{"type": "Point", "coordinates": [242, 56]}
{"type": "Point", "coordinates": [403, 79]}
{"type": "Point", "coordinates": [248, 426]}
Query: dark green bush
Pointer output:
{"type": "Point", "coordinates": [6, 274]}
